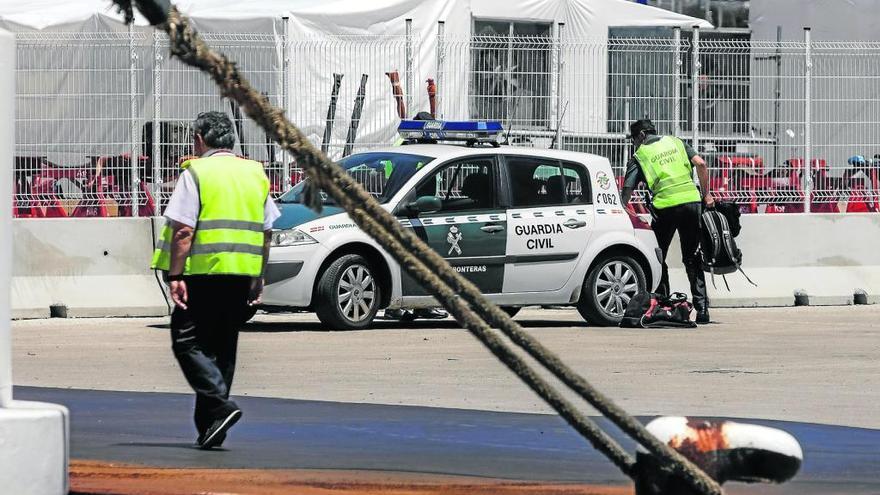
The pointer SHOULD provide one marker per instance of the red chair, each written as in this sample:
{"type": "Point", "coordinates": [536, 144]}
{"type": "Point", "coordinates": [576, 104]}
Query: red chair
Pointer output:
{"type": "Point", "coordinates": [859, 201]}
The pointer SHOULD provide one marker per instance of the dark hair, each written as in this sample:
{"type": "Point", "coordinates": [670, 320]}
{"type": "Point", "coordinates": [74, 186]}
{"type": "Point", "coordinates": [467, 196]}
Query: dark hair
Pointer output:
{"type": "Point", "coordinates": [640, 126]}
{"type": "Point", "coordinates": [216, 129]}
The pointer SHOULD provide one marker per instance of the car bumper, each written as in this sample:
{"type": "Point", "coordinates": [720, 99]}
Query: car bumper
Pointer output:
{"type": "Point", "coordinates": [290, 275]}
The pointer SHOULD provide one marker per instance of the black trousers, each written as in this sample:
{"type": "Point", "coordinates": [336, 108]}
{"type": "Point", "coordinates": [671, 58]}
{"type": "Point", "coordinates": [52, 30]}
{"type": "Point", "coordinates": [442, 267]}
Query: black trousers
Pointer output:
{"type": "Point", "coordinates": [204, 338]}
{"type": "Point", "coordinates": [686, 220]}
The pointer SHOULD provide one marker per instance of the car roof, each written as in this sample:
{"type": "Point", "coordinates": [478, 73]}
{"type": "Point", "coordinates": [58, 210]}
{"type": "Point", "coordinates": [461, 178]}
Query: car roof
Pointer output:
{"type": "Point", "coordinates": [451, 151]}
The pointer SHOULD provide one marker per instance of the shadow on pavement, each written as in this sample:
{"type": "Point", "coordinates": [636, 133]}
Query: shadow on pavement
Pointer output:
{"type": "Point", "coordinates": [449, 324]}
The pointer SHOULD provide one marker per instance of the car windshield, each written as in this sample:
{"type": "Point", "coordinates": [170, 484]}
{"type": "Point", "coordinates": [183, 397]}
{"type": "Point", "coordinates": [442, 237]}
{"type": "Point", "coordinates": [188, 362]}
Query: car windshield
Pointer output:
{"type": "Point", "coordinates": [382, 174]}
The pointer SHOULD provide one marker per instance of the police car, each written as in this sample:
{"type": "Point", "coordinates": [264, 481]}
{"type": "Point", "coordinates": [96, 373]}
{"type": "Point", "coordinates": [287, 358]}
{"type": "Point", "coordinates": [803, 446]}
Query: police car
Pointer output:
{"type": "Point", "coordinates": [526, 226]}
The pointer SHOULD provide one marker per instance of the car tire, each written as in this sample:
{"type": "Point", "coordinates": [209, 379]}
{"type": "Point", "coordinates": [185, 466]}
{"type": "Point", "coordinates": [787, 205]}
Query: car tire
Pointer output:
{"type": "Point", "coordinates": [511, 310]}
{"type": "Point", "coordinates": [348, 294]}
{"type": "Point", "coordinates": [611, 283]}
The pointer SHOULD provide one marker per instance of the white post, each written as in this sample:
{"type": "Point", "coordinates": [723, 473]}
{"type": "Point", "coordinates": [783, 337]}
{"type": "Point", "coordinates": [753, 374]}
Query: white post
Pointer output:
{"type": "Point", "coordinates": [408, 84]}
{"type": "Point", "coordinates": [33, 436]}
{"type": "Point", "coordinates": [132, 92]}
{"type": "Point", "coordinates": [676, 81]}
{"type": "Point", "coordinates": [7, 107]}
{"type": "Point", "coordinates": [695, 90]}
{"type": "Point", "coordinates": [157, 115]}
{"type": "Point", "coordinates": [807, 169]}
{"type": "Point", "coordinates": [441, 66]}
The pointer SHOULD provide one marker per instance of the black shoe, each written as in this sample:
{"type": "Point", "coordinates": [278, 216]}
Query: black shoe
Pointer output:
{"type": "Point", "coordinates": [430, 314]}
{"type": "Point", "coordinates": [399, 315]}
{"type": "Point", "coordinates": [216, 433]}
{"type": "Point", "coordinates": [201, 439]}
{"type": "Point", "coordinates": [703, 316]}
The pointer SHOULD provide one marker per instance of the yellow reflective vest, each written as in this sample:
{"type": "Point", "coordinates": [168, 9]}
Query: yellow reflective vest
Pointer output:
{"type": "Point", "coordinates": [668, 172]}
{"type": "Point", "coordinates": [229, 233]}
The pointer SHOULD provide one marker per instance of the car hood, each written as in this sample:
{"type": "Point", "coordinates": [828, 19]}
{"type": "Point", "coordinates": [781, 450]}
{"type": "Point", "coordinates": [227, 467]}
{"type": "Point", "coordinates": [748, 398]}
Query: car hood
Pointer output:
{"type": "Point", "coordinates": [296, 214]}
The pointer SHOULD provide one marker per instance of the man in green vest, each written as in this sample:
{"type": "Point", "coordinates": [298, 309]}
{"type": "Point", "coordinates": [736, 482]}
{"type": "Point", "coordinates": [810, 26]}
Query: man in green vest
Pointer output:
{"type": "Point", "coordinates": [213, 249]}
{"type": "Point", "coordinates": [665, 164]}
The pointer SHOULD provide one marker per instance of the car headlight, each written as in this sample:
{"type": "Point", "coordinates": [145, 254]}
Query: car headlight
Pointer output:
{"type": "Point", "coordinates": [293, 237]}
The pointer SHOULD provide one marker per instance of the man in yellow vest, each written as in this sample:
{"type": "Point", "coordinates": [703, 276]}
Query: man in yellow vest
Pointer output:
{"type": "Point", "coordinates": [665, 164]}
{"type": "Point", "coordinates": [214, 249]}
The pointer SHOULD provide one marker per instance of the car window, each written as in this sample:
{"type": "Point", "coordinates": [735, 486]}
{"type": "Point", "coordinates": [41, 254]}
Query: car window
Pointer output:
{"type": "Point", "coordinates": [464, 185]}
{"type": "Point", "coordinates": [382, 174]}
{"type": "Point", "coordinates": [539, 182]}
{"type": "Point", "coordinates": [577, 184]}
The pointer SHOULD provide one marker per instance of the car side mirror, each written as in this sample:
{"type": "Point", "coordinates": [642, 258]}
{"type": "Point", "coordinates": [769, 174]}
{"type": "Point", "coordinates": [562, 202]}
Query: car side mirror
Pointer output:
{"type": "Point", "coordinates": [425, 204]}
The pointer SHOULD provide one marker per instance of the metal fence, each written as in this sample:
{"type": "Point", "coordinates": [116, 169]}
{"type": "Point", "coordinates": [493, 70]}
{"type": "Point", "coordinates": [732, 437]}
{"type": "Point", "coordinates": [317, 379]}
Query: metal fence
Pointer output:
{"type": "Point", "coordinates": [777, 121]}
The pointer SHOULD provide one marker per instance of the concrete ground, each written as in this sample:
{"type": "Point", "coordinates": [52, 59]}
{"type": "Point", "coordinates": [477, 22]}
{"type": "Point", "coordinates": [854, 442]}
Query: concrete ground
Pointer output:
{"type": "Point", "coordinates": [816, 364]}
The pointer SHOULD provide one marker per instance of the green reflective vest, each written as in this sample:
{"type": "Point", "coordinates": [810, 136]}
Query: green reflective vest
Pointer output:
{"type": "Point", "coordinates": [668, 171]}
{"type": "Point", "coordinates": [229, 233]}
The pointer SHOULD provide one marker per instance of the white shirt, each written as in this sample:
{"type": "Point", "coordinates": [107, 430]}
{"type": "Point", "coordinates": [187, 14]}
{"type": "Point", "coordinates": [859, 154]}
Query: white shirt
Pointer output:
{"type": "Point", "coordinates": [184, 205]}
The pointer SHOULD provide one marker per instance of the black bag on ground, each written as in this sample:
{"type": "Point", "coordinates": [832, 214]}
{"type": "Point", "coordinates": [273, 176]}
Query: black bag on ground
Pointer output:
{"type": "Point", "coordinates": [647, 310]}
{"type": "Point", "coordinates": [718, 249]}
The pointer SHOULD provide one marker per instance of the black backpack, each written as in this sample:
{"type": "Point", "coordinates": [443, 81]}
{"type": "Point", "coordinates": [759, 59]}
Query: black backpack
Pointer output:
{"type": "Point", "coordinates": [647, 310]}
{"type": "Point", "coordinates": [720, 256]}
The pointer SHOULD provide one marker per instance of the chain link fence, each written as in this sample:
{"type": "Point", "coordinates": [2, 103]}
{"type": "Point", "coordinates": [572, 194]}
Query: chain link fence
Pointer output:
{"type": "Point", "coordinates": [785, 126]}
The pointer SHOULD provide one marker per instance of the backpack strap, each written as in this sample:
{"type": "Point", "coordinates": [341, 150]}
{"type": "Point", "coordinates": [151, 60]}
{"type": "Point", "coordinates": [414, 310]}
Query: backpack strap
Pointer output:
{"type": "Point", "coordinates": [746, 276]}
{"type": "Point", "coordinates": [725, 282]}
{"type": "Point", "coordinates": [727, 241]}
{"type": "Point", "coordinates": [709, 224]}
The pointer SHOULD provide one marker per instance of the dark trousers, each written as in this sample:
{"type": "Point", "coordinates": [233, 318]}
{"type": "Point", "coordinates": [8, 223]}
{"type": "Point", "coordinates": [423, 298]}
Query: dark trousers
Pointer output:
{"type": "Point", "coordinates": [686, 220]}
{"type": "Point", "coordinates": [204, 338]}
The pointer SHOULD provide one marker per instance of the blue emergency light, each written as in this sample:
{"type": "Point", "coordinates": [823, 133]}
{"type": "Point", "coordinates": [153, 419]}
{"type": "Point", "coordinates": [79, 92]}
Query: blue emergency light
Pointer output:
{"type": "Point", "coordinates": [471, 133]}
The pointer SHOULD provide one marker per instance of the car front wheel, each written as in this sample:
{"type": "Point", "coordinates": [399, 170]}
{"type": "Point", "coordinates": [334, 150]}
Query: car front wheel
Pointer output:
{"type": "Point", "coordinates": [347, 296]}
{"type": "Point", "coordinates": [608, 288]}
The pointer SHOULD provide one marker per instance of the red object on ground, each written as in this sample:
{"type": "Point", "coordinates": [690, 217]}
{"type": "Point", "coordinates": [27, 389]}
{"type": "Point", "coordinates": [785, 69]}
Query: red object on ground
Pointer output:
{"type": "Point", "coordinates": [99, 478]}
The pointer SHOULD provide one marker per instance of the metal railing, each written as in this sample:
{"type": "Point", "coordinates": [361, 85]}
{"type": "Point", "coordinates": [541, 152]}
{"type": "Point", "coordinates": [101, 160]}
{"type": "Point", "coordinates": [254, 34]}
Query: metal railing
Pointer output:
{"type": "Point", "coordinates": [758, 111]}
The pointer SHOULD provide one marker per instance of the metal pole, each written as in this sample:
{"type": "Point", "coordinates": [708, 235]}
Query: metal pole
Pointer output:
{"type": "Point", "coordinates": [695, 89]}
{"type": "Point", "coordinates": [508, 108]}
{"type": "Point", "coordinates": [441, 66]}
{"type": "Point", "coordinates": [157, 114]}
{"type": "Point", "coordinates": [778, 95]}
{"type": "Point", "coordinates": [560, 65]}
{"type": "Point", "coordinates": [285, 99]}
{"type": "Point", "coordinates": [7, 140]}
{"type": "Point", "coordinates": [676, 81]}
{"type": "Point", "coordinates": [132, 92]}
{"type": "Point", "coordinates": [409, 67]}
{"type": "Point", "coordinates": [808, 100]}
{"type": "Point", "coordinates": [626, 142]}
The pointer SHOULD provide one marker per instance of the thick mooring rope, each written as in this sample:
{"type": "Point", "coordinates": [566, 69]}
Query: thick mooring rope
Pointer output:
{"type": "Point", "coordinates": [463, 300]}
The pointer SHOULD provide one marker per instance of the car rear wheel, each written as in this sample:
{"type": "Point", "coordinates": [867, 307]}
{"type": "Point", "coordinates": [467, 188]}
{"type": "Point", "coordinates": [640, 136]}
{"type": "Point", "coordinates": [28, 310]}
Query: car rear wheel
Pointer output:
{"type": "Point", "coordinates": [348, 295]}
{"type": "Point", "coordinates": [610, 285]}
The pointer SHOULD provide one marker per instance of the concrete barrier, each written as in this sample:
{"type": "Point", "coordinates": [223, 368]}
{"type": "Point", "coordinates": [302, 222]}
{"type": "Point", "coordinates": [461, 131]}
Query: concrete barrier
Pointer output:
{"type": "Point", "coordinates": [99, 267]}
{"type": "Point", "coordinates": [96, 267]}
{"type": "Point", "coordinates": [827, 256]}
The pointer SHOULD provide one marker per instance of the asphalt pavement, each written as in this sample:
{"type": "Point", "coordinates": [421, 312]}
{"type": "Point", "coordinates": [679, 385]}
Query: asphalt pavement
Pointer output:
{"type": "Point", "coordinates": [152, 429]}
{"type": "Point", "coordinates": [425, 397]}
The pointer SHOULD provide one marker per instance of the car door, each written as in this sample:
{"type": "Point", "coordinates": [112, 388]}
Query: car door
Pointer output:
{"type": "Point", "coordinates": [469, 229]}
{"type": "Point", "coordinates": [550, 221]}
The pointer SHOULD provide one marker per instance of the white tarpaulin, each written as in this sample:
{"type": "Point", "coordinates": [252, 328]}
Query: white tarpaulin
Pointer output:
{"type": "Point", "coordinates": [349, 37]}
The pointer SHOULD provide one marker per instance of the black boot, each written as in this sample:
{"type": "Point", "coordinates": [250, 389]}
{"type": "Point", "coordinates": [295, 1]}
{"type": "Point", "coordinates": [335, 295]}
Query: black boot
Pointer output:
{"type": "Point", "coordinates": [703, 316]}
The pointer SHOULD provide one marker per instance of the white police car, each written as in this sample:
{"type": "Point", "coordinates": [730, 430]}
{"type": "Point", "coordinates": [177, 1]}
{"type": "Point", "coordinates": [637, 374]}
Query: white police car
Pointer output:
{"type": "Point", "coordinates": [526, 226]}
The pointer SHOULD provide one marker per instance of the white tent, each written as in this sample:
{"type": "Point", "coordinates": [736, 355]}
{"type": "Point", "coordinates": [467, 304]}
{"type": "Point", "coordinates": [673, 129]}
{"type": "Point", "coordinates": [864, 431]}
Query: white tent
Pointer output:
{"type": "Point", "coordinates": [351, 37]}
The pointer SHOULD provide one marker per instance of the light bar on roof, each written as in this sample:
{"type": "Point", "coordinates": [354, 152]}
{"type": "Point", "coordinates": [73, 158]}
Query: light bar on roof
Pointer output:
{"type": "Point", "coordinates": [476, 132]}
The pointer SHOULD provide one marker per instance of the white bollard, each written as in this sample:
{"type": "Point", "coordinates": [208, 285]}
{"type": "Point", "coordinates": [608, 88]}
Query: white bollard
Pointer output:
{"type": "Point", "coordinates": [33, 435]}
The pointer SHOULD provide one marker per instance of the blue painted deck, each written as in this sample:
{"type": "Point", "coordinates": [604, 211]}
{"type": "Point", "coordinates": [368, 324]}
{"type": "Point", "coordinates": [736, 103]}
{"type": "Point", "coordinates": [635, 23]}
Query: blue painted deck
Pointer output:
{"type": "Point", "coordinates": [154, 429]}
